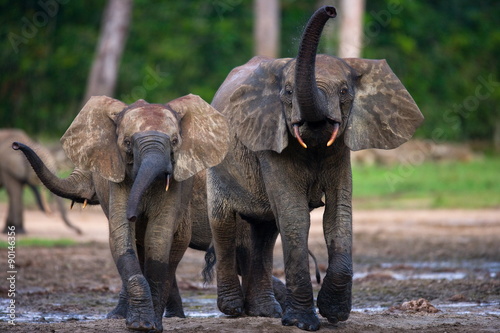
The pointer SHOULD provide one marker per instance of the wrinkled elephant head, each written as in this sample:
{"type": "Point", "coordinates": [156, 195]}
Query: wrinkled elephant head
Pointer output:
{"type": "Point", "coordinates": [318, 98]}
{"type": "Point", "coordinates": [145, 141]}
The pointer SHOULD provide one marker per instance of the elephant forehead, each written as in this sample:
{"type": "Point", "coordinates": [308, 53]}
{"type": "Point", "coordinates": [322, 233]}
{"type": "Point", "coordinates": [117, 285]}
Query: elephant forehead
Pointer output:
{"type": "Point", "coordinates": [327, 68]}
{"type": "Point", "coordinates": [150, 118]}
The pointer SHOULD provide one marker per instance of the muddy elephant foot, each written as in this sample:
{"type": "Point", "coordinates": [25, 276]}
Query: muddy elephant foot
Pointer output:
{"type": "Point", "coordinates": [230, 300]}
{"type": "Point", "coordinates": [171, 311]}
{"type": "Point", "coordinates": [120, 310]}
{"type": "Point", "coordinates": [263, 307]}
{"type": "Point", "coordinates": [334, 303]}
{"type": "Point", "coordinates": [303, 319]}
{"type": "Point", "coordinates": [140, 315]}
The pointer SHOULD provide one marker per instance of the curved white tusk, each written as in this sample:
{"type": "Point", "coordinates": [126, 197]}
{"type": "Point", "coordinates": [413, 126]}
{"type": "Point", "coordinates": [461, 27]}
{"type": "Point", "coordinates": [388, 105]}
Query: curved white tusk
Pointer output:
{"type": "Point", "coordinates": [84, 204]}
{"type": "Point", "coordinates": [168, 183]}
{"type": "Point", "coordinates": [297, 135]}
{"type": "Point", "coordinates": [334, 135]}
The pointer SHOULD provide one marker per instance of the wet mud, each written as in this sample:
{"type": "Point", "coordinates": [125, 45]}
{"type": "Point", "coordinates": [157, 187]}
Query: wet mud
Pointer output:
{"type": "Point", "coordinates": [429, 271]}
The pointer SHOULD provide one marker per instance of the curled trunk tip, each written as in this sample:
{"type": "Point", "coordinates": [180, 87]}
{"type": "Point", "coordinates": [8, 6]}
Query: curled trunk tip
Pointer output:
{"type": "Point", "coordinates": [310, 102]}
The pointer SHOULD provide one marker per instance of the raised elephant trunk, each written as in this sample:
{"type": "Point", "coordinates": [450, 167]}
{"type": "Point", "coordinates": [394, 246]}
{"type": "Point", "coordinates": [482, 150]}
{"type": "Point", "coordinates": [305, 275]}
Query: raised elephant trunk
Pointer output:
{"type": "Point", "coordinates": [78, 187]}
{"type": "Point", "coordinates": [312, 104]}
{"type": "Point", "coordinates": [154, 166]}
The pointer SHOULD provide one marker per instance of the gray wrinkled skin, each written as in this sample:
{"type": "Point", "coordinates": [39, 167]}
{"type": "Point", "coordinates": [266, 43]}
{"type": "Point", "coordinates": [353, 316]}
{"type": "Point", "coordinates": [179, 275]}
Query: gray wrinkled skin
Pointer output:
{"type": "Point", "coordinates": [130, 152]}
{"type": "Point", "coordinates": [272, 182]}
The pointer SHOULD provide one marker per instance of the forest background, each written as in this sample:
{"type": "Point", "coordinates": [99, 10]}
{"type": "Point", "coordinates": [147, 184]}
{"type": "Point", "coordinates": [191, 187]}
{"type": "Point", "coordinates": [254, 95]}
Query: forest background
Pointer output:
{"type": "Point", "coordinates": [445, 52]}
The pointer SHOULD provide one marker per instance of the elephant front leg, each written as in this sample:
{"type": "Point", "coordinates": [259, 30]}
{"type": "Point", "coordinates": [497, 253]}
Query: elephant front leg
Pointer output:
{"type": "Point", "coordinates": [334, 298]}
{"type": "Point", "coordinates": [299, 309]}
{"type": "Point", "coordinates": [255, 260]}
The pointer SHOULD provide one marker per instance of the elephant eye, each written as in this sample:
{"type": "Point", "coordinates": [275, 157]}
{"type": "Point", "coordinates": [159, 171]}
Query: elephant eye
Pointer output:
{"type": "Point", "coordinates": [344, 91]}
{"type": "Point", "coordinates": [175, 141]}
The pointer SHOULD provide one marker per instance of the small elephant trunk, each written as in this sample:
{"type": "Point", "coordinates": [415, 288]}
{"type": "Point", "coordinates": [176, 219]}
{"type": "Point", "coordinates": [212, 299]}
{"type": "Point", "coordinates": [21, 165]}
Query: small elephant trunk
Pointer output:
{"type": "Point", "coordinates": [311, 103]}
{"type": "Point", "coordinates": [154, 167]}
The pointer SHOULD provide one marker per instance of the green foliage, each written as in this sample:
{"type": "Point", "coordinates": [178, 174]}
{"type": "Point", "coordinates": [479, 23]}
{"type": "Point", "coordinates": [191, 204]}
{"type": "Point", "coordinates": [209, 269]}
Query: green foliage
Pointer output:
{"type": "Point", "coordinates": [443, 52]}
{"type": "Point", "coordinates": [429, 185]}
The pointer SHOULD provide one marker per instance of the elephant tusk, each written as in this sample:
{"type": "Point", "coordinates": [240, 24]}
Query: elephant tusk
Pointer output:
{"type": "Point", "coordinates": [168, 183]}
{"type": "Point", "coordinates": [297, 135]}
{"type": "Point", "coordinates": [334, 135]}
{"type": "Point", "coordinates": [84, 204]}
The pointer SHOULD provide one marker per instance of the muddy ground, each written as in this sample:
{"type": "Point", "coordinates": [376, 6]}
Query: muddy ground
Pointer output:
{"type": "Point", "coordinates": [429, 271]}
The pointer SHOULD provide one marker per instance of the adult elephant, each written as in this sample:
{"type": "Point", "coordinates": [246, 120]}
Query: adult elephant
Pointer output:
{"type": "Point", "coordinates": [16, 173]}
{"type": "Point", "coordinates": [141, 159]}
{"type": "Point", "coordinates": [293, 123]}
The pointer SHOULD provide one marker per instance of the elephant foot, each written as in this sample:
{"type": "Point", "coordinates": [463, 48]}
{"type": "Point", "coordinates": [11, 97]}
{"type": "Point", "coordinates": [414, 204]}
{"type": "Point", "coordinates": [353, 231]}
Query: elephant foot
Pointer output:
{"type": "Point", "coordinates": [119, 312]}
{"type": "Point", "coordinates": [230, 302]}
{"type": "Point", "coordinates": [263, 307]}
{"type": "Point", "coordinates": [171, 312]}
{"type": "Point", "coordinates": [335, 303]}
{"type": "Point", "coordinates": [140, 315]}
{"type": "Point", "coordinates": [305, 320]}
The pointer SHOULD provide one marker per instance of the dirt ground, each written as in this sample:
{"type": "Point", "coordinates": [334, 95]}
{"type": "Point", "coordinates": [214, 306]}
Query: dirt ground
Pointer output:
{"type": "Point", "coordinates": [429, 271]}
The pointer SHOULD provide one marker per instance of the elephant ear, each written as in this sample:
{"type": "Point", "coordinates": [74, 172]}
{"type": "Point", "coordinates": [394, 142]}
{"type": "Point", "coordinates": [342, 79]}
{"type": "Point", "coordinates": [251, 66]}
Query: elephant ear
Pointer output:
{"type": "Point", "coordinates": [383, 114]}
{"type": "Point", "coordinates": [91, 140]}
{"type": "Point", "coordinates": [204, 133]}
{"type": "Point", "coordinates": [250, 99]}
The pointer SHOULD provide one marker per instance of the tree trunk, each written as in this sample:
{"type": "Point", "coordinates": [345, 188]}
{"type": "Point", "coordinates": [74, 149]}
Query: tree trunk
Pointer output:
{"type": "Point", "coordinates": [351, 28]}
{"type": "Point", "coordinates": [114, 30]}
{"type": "Point", "coordinates": [266, 27]}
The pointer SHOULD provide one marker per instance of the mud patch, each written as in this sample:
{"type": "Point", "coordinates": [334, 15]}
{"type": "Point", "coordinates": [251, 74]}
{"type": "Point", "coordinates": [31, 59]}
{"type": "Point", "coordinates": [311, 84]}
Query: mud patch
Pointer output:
{"type": "Point", "coordinates": [399, 257]}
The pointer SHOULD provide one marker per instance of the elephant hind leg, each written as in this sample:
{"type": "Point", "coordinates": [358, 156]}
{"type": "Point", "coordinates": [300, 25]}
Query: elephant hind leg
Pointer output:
{"type": "Point", "coordinates": [15, 213]}
{"type": "Point", "coordinates": [121, 309]}
{"type": "Point", "coordinates": [255, 259]}
{"type": "Point", "coordinates": [229, 294]}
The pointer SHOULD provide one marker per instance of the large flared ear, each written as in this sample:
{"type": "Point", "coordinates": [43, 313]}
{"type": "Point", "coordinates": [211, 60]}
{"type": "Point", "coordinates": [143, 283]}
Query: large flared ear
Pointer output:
{"type": "Point", "coordinates": [204, 133]}
{"type": "Point", "coordinates": [91, 140]}
{"type": "Point", "coordinates": [383, 114]}
{"type": "Point", "coordinates": [250, 99]}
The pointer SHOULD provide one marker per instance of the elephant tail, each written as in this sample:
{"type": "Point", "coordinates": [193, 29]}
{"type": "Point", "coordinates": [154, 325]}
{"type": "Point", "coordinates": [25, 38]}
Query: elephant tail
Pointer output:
{"type": "Point", "coordinates": [318, 275]}
{"type": "Point", "coordinates": [210, 260]}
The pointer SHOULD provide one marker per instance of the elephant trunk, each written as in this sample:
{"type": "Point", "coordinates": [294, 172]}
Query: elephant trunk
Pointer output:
{"type": "Point", "coordinates": [312, 103]}
{"type": "Point", "coordinates": [154, 166]}
{"type": "Point", "coordinates": [78, 187]}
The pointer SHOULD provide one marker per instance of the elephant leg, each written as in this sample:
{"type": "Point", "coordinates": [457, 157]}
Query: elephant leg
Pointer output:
{"type": "Point", "coordinates": [179, 246]}
{"type": "Point", "coordinates": [257, 278]}
{"type": "Point", "coordinates": [140, 313]}
{"type": "Point", "coordinates": [223, 225]}
{"type": "Point", "coordinates": [290, 206]}
{"type": "Point", "coordinates": [174, 303]}
{"type": "Point", "coordinates": [121, 309]}
{"type": "Point", "coordinates": [15, 212]}
{"type": "Point", "coordinates": [334, 298]}
{"type": "Point", "coordinates": [299, 309]}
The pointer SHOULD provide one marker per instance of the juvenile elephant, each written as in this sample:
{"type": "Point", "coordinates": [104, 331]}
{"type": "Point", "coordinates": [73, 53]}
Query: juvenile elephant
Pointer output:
{"type": "Point", "coordinates": [15, 173]}
{"type": "Point", "coordinates": [141, 160]}
{"type": "Point", "coordinates": [293, 123]}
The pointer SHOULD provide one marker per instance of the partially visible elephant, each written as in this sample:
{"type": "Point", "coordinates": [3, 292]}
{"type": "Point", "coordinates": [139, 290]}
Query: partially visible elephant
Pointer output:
{"type": "Point", "coordinates": [15, 173]}
{"type": "Point", "coordinates": [141, 159]}
{"type": "Point", "coordinates": [293, 123]}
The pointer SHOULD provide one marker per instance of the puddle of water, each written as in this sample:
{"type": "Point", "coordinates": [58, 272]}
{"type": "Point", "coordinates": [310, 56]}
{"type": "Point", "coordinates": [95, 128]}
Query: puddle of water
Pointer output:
{"type": "Point", "coordinates": [436, 270]}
